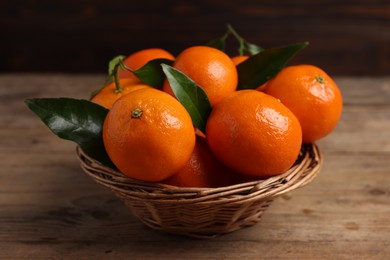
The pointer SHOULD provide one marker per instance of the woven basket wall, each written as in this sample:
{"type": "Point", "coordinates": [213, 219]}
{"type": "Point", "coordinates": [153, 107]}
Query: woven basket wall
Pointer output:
{"type": "Point", "coordinates": [203, 212]}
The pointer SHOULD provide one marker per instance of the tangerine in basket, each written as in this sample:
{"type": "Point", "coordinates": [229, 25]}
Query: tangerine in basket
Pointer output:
{"type": "Point", "coordinates": [311, 95]}
{"type": "Point", "coordinates": [254, 134]}
{"type": "Point", "coordinates": [202, 170]}
{"type": "Point", "coordinates": [210, 68]}
{"type": "Point", "coordinates": [148, 135]}
{"type": "Point", "coordinates": [138, 59]}
{"type": "Point", "coordinates": [110, 93]}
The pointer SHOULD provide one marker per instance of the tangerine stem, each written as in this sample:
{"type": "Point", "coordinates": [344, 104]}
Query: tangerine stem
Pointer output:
{"type": "Point", "coordinates": [116, 76]}
{"type": "Point", "coordinates": [320, 79]}
{"type": "Point", "coordinates": [136, 113]}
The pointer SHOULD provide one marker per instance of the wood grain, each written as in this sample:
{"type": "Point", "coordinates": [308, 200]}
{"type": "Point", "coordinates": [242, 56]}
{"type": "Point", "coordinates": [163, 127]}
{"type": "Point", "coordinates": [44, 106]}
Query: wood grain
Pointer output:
{"type": "Point", "coordinates": [347, 37]}
{"type": "Point", "coordinates": [50, 209]}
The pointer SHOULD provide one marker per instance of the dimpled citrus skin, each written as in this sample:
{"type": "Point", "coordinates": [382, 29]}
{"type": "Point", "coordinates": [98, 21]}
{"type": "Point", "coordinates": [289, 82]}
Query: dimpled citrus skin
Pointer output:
{"type": "Point", "coordinates": [210, 68]}
{"type": "Point", "coordinates": [311, 95]}
{"type": "Point", "coordinates": [254, 134]}
{"type": "Point", "coordinates": [107, 96]}
{"type": "Point", "coordinates": [151, 145]}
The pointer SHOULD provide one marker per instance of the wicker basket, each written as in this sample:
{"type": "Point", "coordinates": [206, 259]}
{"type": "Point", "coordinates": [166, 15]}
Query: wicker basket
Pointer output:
{"type": "Point", "coordinates": [203, 212]}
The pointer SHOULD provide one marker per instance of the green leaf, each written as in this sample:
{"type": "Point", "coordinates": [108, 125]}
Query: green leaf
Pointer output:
{"type": "Point", "coordinates": [114, 67]}
{"type": "Point", "coordinates": [261, 67]}
{"type": "Point", "coordinates": [151, 73]}
{"type": "Point", "coordinates": [80, 121]}
{"type": "Point", "coordinates": [190, 95]}
{"type": "Point", "coordinates": [244, 46]}
{"type": "Point", "coordinates": [114, 64]}
{"type": "Point", "coordinates": [251, 48]}
{"type": "Point", "coordinates": [219, 44]}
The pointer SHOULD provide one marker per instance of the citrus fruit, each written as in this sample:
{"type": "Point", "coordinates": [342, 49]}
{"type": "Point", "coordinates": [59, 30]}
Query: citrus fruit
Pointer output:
{"type": "Point", "coordinates": [311, 95]}
{"type": "Point", "coordinates": [238, 59]}
{"type": "Point", "coordinates": [241, 58]}
{"type": "Point", "coordinates": [138, 59]}
{"type": "Point", "coordinates": [148, 135]}
{"type": "Point", "coordinates": [202, 170]}
{"type": "Point", "coordinates": [109, 94]}
{"type": "Point", "coordinates": [254, 134]}
{"type": "Point", "coordinates": [210, 68]}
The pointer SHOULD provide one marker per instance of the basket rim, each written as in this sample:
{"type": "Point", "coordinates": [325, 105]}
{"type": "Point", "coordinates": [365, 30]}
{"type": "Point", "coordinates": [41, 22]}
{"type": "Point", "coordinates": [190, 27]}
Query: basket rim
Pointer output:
{"type": "Point", "coordinates": [300, 174]}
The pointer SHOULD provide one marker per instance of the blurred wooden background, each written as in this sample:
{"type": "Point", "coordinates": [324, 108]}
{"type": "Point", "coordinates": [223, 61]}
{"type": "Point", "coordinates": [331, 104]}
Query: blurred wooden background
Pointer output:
{"type": "Point", "coordinates": [348, 37]}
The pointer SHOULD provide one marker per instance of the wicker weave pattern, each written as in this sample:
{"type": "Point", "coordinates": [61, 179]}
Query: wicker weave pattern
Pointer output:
{"type": "Point", "coordinates": [203, 212]}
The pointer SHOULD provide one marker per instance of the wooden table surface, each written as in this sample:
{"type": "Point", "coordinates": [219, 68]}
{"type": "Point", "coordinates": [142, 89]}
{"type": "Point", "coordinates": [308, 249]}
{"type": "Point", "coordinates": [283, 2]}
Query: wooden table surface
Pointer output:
{"type": "Point", "coordinates": [50, 209]}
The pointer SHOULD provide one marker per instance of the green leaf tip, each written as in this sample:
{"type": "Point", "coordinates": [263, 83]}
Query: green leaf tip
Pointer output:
{"type": "Point", "coordinates": [114, 63]}
{"type": "Point", "coordinates": [244, 46]}
{"type": "Point", "coordinates": [77, 120]}
{"type": "Point", "coordinates": [258, 69]}
{"type": "Point", "coordinates": [190, 95]}
{"type": "Point", "coordinates": [151, 73]}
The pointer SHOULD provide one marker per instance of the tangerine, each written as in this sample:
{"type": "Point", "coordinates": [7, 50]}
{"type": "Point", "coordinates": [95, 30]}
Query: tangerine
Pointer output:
{"type": "Point", "coordinates": [148, 135]}
{"type": "Point", "coordinates": [238, 59]}
{"type": "Point", "coordinates": [138, 59]}
{"type": "Point", "coordinates": [254, 134]}
{"type": "Point", "coordinates": [312, 96]}
{"type": "Point", "coordinates": [202, 170]}
{"type": "Point", "coordinates": [210, 68]}
{"type": "Point", "coordinates": [109, 94]}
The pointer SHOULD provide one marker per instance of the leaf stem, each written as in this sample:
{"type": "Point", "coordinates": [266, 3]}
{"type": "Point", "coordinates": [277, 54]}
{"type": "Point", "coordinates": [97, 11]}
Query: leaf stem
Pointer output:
{"type": "Point", "coordinates": [239, 38]}
{"type": "Point", "coordinates": [118, 87]}
{"type": "Point", "coordinates": [114, 67]}
{"type": "Point", "coordinates": [225, 36]}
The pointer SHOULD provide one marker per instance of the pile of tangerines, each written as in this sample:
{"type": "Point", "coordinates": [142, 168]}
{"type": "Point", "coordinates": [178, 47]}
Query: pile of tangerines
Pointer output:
{"type": "Point", "coordinates": [249, 134]}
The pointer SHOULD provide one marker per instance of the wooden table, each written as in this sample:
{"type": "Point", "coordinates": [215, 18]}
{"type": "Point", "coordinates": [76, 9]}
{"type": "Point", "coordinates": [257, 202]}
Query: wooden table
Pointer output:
{"type": "Point", "coordinates": [50, 209]}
